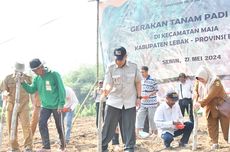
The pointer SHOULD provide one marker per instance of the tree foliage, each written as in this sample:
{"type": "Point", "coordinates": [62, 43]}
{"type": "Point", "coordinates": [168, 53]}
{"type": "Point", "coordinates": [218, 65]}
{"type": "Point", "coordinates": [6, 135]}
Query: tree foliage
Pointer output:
{"type": "Point", "coordinates": [82, 79]}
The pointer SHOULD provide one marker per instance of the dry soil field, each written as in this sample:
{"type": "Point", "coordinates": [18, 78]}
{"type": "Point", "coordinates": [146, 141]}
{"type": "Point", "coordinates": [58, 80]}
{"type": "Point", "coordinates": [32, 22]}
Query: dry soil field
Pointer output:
{"type": "Point", "coordinates": [84, 139]}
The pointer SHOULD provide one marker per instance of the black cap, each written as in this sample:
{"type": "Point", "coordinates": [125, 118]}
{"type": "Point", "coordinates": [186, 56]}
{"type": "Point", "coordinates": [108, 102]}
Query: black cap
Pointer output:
{"type": "Point", "coordinates": [173, 95]}
{"type": "Point", "coordinates": [119, 53]}
{"type": "Point", "coordinates": [35, 63]}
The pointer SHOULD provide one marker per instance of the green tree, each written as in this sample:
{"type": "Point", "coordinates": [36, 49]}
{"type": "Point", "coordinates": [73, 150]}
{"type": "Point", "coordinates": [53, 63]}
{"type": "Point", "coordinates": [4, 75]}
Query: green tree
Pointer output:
{"type": "Point", "coordinates": [82, 79]}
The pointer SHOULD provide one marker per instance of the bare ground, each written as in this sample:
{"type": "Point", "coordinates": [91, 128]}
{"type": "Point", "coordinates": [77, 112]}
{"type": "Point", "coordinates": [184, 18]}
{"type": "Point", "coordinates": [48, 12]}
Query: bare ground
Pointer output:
{"type": "Point", "coordinates": [84, 139]}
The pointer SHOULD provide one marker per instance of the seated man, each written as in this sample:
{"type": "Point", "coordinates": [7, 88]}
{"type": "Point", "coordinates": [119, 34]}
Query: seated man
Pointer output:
{"type": "Point", "coordinates": [169, 121]}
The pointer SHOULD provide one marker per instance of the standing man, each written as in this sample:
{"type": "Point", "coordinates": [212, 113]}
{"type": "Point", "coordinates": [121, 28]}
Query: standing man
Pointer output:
{"type": "Point", "coordinates": [97, 97]}
{"type": "Point", "coordinates": [52, 94]}
{"type": "Point", "coordinates": [148, 102]}
{"type": "Point", "coordinates": [69, 107]}
{"type": "Point", "coordinates": [185, 88]}
{"type": "Point", "coordinates": [169, 121]}
{"type": "Point", "coordinates": [122, 85]}
{"type": "Point", "coordinates": [97, 93]}
{"type": "Point", "coordinates": [9, 85]}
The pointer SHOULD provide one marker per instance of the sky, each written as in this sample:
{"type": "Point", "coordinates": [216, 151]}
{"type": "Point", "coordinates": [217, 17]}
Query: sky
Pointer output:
{"type": "Point", "coordinates": [62, 33]}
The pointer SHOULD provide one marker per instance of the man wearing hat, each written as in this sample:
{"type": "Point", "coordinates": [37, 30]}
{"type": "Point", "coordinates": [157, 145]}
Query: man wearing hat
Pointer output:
{"type": "Point", "coordinates": [122, 86]}
{"type": "Point", "coordinates": [169, 121]}
{"type": "Point", "coordinates": [52, 95]}
{"type": "Point", "coordinates": [9, 85]}
{"type": "Point", "coordinates": [184, 90]}
{"type": "Point", "coordinates": [96, 96]}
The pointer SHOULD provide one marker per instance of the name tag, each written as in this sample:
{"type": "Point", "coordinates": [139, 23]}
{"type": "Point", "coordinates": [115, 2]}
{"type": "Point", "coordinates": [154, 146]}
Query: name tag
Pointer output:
{"type": "Point", "coordinates": [116, 79]}
{"type": "Point", "coordinates": [48, 86]}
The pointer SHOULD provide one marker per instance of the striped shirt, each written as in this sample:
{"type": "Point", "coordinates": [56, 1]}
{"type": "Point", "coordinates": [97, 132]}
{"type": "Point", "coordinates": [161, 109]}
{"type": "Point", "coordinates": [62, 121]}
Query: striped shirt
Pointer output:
{"type": "Point", "coordinates": [148, 86]}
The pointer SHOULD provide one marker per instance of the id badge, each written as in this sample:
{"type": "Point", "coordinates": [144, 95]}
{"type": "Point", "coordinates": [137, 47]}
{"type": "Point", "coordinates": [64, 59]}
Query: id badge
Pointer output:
{"type": "Point", "coordinates": [48, 86]}
{"type": "Point", "coordinates": [117, 79]}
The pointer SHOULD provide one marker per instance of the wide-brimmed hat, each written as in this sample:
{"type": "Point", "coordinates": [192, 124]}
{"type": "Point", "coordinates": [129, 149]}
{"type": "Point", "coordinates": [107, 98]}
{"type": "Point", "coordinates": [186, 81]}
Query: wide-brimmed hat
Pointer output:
{"type": "Point", "coordinates": [35, 64]}
{"type": "Point", "coordinates": [19, 67]}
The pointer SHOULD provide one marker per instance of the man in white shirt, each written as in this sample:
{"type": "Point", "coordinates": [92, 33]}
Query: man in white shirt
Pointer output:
{"type": "Point", "coordinates": [184, 91]}
{"type": "Point", "coordinates": [71, 102]}
{"type": "Point", "coordinates": [169, 121]}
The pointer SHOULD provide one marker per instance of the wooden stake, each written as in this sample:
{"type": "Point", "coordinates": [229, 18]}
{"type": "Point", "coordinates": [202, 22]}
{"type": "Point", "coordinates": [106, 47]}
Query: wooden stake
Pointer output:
{"type": "Point", "coordinates": [62, 128]}
{"type": "Point", "coordinates": [229, 133]}
{"type": "Point", "coordinates": [194, 144]}
{"type": "Point", "coordinates": [99, 132]}
{"type": "Point", "coordinates": [15, 110]}
{"type": "Point", "coordinates": [3, 119]}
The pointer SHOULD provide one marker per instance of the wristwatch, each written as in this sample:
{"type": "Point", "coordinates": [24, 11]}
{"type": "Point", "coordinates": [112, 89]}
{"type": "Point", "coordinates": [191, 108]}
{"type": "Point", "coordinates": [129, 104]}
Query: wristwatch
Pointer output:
{"type": "Point", "coordinates": [138, 97]}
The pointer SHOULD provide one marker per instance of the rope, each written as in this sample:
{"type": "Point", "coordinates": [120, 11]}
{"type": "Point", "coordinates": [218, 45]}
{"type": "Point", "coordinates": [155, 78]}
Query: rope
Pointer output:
{"type": "Point", "coordinates": [78, 112]}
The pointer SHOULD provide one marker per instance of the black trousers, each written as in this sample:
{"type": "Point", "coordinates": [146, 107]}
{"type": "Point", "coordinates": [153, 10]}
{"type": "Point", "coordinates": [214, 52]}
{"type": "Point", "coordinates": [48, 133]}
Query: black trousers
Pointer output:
{"type": "Point", "coordinates": [97, 111]}
{"type": "Point", "coordinates": [126, 119]}
{"type": "Point", "coordinates": [43, 127]}
{"type": "Point", "coordinates": [187, 104]}
{"type": "Point", "coordinates": [115, 140]}
{"type": "Point", "coordinates": [146, 125]}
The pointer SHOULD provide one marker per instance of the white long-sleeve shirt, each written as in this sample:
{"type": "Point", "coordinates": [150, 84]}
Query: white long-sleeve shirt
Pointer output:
{"type": "Point", "coordinates": [164, 117]}
{"type": "Point", "coordinates": [71, 98]}
{"type": "Point", "coordinates": [184, 90]}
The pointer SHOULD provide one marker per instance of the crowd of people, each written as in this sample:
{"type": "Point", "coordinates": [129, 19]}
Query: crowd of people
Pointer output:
{"type": "Point", "coordinates": [48, 95]}
{"type": "Point", "coordinates": [129, 98]}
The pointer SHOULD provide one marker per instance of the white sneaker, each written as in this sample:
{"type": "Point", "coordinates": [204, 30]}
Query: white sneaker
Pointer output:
{"type": "Point", "coordinates": [214, 146]}
{"type": "Point", "coordinates": [116, 148]}
{"type": "Point", "coordinates": [143, 134]}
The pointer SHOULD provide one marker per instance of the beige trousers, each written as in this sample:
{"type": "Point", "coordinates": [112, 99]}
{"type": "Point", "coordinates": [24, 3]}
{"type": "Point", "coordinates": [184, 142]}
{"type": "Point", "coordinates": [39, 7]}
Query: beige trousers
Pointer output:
{"type": "Point", "coordinates": [36, 112]}
{"type": "Point", "coordinates": [35, 118]}
{"type": "Point", "coordinates": [23, 116]}
{"type": "Point", "coordinates": [213, 127]}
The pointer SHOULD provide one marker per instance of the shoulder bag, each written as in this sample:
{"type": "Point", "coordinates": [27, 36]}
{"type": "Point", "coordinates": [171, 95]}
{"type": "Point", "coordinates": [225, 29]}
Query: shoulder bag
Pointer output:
{"type": "Point", "coordinates": [224, 108]}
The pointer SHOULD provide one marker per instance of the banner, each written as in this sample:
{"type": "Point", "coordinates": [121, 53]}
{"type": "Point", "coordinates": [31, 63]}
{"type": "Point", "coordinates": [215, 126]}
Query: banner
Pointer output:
{"type": "Point", "coordinates": [169, 36]}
